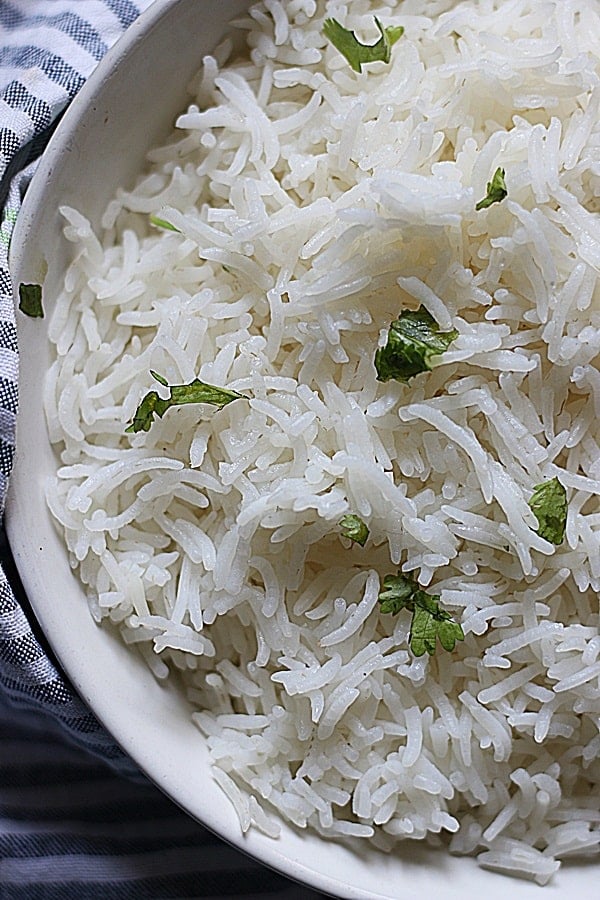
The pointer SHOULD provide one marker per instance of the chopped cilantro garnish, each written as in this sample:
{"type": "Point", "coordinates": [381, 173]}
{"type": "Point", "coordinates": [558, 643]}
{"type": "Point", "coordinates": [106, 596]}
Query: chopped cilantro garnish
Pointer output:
{"type": "Point", "coordinates": [549, 505]}
{"type": "Point", "coordinates": [413, 340]}
{"type": "Point", "coordinates": [195, 392]}
{"type": "Point", "coordinates": [160, 378]}
{"type": "Point", "coordinates": [357, 53]}
{"type": "Point", "coordinates": [30, 300]}
{"type": "Point", "coordinates": [496, 190]}
{"type": "Point", "coordinates": [162, 223]}
{"type": "Point", "coordinates": [354, 528]}
{"type": "Point", "coordinates": [429, 620]}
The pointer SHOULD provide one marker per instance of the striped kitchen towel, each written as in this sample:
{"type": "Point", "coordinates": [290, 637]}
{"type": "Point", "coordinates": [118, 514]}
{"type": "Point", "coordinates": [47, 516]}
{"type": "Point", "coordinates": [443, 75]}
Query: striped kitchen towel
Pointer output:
{"type": "Point", "coordinates": [71, 824]}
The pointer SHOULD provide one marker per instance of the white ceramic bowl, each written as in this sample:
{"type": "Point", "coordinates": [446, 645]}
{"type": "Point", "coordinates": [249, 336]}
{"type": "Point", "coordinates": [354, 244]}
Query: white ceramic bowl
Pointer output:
{"type": "Point", "coordinates": [127, 106]}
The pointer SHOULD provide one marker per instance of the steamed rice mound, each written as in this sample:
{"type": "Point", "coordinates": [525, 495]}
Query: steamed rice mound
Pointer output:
{"type": "Point", "coordinates": [312, 204]}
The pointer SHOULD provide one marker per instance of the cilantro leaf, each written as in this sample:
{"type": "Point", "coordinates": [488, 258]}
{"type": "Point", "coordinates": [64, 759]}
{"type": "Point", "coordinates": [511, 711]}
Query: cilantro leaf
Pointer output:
{"type": "Point", "coordinates": [496, 190]}
{"type": "Point", "coordinates": [354, 528]}
{"type": "Point", "coordinates": [144, 414]}
{"type": "Point", "coordinates": [162, 223]}
{"type": "Point", "coordinates": [160, 378]}
{"type": "Point", "coordinates": [429, 621]}
{"type": "Point", "coordinates": [358, 53]}
{"type": "Point", "coordinates": [549, 505]}
{"type": "Point", "coordinates": [397, 594]}
{"type": "Point", "coordinates": [195, 392]}
{"type": "Point", "coordinates": [30, 300]}
{"type": "Point", "coordinates": [413, 340]}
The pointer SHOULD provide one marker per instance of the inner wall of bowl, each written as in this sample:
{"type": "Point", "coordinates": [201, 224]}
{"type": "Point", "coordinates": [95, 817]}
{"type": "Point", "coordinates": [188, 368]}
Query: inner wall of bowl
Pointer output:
{"type": "Point", "coordinates": [128, 106]}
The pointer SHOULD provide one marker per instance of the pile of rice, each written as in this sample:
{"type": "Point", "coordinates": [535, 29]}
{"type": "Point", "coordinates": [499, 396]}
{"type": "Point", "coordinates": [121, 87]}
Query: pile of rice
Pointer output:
{"type": "Point", "coordinates": [313, 205]}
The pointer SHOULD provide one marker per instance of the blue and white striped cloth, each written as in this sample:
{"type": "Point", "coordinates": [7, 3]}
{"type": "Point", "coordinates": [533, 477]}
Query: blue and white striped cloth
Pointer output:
{"type": "Point", "coordinates": [77, 819]}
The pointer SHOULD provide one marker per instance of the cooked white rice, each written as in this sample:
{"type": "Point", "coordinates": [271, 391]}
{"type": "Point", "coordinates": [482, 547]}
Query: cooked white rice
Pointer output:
{"type": "Point", "coordinates": [313, 205]}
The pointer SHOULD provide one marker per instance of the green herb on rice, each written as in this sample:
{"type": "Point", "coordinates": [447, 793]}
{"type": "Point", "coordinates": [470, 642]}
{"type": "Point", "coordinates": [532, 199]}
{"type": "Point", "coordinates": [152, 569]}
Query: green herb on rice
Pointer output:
{"type": "Point", "coordinates": [496, 190]}
{"type": "Point", "coordinates": [179, 394]}
{"type": "Point", "coordinates": [357, 53]}
{"type": "Point", "coordinates": [30, 300]}
{"type": "Point", "coordinates": [429, 621]}
{"type": "Point", "coordinates": [162, 223]}
{"type": "Point", "coordinates": [549, 505]}
{"type": "Point", "coordinates": [413, 340]}
{"type": "Point", "coordinates": [354, 528]}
